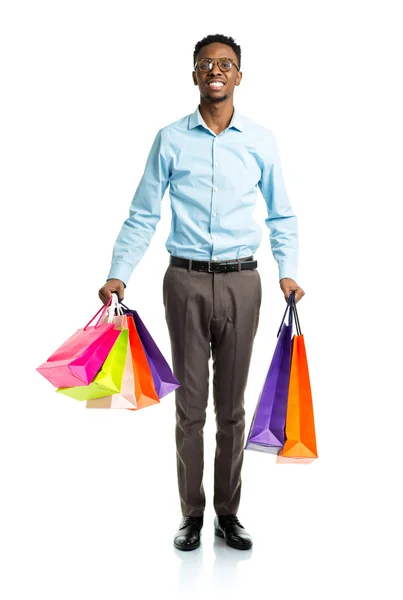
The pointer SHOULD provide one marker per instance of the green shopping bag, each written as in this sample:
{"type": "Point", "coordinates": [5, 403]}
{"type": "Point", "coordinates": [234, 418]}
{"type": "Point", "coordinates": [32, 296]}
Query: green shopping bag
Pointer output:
{"type": "Point", "coordinates": [109, 378]}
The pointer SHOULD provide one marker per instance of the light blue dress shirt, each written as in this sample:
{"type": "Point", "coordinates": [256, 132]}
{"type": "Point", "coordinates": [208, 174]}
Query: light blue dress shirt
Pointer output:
{"type": "Point", "coordinates": [213, 182]}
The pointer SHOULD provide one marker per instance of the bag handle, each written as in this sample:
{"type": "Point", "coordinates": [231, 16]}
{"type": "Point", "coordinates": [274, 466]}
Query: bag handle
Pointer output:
{"type": "Point", "coordinates": [297, 325]}
{"type": "Point", "coordinates": [103, 309]}
{"type": "Point", "coordinates": [289, 306]}
{"type": "Point", "coordinates": [114, 305]}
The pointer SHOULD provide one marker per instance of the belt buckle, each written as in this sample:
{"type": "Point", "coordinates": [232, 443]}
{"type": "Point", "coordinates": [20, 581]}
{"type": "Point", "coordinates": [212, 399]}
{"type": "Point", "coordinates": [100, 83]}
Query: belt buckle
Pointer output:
{"type": "Point", "coordinates": [209, 268]}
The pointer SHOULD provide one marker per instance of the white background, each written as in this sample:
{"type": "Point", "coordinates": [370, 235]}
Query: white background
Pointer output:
{"type": "Point", "coordinates": [89, 503]}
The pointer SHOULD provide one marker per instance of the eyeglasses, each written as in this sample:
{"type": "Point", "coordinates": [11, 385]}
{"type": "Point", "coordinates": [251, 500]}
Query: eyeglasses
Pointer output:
{"type": "Point", "coordinates": [206, 64]}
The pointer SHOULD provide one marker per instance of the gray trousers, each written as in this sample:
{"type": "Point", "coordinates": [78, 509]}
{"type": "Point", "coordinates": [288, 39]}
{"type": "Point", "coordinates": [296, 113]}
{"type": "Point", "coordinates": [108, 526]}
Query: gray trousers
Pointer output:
{"type": "Point", "coordinates": [217, 313]}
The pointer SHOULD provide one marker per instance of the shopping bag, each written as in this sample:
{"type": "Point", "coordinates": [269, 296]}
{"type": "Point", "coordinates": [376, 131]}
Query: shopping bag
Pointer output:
{"type": "Point", "coordinates": [146, 394]}
{"type": "Point", "coordinates": [78, 360]}
{"type": "Point", "coordinates": [126, 398]}
{"type": "Point", "coordinates": [164, 379]}
{"type": "Point", "coordinates": [300, 424]}
{"type": "Point", "coordinates": [266, 433]}
{"type": "Point", "coordinates": [109, 379]}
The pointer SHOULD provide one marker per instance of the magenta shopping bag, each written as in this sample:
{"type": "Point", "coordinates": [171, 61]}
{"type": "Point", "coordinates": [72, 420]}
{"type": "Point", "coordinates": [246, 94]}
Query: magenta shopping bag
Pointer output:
{"type": "Point", "coordinates": [164, 379]}
{"type": "Point", "coordinates": [79, 359]}
{"type": "Point", "coordinates": [268, 424]}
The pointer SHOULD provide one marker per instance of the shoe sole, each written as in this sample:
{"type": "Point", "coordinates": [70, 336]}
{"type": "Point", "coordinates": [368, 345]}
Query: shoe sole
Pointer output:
{"type": "Point", "coordinates": [220, 534]}
{"type": "Point", "coordinates": [179, 547]}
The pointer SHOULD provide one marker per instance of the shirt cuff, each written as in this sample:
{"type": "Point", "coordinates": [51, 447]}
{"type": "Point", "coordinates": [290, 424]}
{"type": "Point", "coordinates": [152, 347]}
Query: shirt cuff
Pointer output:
{"type": "Point", "coordinates": [287, 270]}
{"type": "Point", "coordinates": [120, 271]}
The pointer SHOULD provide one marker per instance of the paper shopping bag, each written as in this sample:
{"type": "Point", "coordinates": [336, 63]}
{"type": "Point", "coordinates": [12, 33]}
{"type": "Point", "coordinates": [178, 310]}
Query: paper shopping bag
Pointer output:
{"type": "Point", "coordinates": [300, 425]}
{"type": "Point", "coordinates": [126, 398]}
{"type": "Point", "coordinates": [146, 394]}
{"type": "Point", "coordinates": [266, 433]}
{"type": "Point", "coordinates": [78, 360]}
{"type": "Point", "coordinates": [164, 379]}
{"type": "Point", "coordinates": [109, 379]}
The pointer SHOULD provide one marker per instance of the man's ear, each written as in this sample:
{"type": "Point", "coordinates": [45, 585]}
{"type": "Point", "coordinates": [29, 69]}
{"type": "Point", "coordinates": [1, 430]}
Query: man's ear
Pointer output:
{"type": "Point", "coordinates": [194, 78]}
{"type": "Point", "coordinates": [238, 78]}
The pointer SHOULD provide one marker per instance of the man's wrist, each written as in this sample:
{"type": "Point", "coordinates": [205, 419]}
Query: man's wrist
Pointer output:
{"type": "Point", "coordinates": [117, 279]}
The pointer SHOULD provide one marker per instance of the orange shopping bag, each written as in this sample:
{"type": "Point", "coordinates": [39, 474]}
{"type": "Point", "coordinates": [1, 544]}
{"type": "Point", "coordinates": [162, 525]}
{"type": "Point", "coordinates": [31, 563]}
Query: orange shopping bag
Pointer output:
{"type": "Point", "coordinates": [300, 425]}
{"type": "Point", "coordinates": [145, 391]}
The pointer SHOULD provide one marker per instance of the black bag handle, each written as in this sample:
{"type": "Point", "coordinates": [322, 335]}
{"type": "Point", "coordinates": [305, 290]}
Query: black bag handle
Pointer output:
{"type": "Point", "coordinates": [297, 325]}
{"type": "Point", "coordinates": [289, 306]}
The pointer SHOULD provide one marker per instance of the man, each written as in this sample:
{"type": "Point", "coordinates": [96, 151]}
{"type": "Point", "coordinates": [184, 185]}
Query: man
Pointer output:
{"type": "Point", "coordinates": [213, 161]}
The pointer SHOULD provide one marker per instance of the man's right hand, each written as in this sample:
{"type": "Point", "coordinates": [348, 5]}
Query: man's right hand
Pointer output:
{"type": "Point", "coordinates": [112, 285]}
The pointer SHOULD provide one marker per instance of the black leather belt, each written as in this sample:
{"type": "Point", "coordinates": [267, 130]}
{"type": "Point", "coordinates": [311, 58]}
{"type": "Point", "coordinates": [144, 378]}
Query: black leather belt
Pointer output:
{"type": "Point", "coordinates": [210, 266]}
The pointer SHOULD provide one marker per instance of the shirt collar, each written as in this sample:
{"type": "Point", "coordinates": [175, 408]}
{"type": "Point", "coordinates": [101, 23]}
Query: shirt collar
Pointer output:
{"type": "Point", "coordinates": [196, 119]}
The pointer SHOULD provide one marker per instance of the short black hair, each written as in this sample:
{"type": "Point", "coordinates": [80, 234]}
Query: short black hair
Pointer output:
{"type": "Point", "coordinates": [222, 39]}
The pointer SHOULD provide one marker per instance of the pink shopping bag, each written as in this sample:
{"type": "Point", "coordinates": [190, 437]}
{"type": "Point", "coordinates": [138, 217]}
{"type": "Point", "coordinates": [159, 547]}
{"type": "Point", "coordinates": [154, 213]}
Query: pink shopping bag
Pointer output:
{"type": "Point", "coordinates": [78, 360]}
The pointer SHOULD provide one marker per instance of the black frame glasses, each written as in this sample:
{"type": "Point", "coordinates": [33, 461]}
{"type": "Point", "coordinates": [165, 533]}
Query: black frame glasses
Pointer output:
{"type": "Point", "coordinates": [209, 62]}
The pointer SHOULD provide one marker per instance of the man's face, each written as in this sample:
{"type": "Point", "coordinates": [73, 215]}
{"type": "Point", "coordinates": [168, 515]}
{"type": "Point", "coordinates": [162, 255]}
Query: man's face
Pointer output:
{"type": "Point", "coordinates": [229, 78]}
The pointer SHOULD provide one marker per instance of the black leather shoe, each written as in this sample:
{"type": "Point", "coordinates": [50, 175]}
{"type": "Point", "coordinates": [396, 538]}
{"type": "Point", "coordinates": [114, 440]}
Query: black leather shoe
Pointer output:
{"type": "Point", "coordinates": [188, 535]}
{"type": "Point", "coordinates": [235, 534]}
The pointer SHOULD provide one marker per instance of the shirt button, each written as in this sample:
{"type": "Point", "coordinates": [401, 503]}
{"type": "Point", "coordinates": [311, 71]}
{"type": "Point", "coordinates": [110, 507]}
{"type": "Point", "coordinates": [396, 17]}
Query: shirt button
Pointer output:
{"type": "Point", "coordinates": [213, 236]}
{"type": "Point", "coordinates": [216, 163]}
{"type": "Point", "coordinates": [214, 214]}
{"type": "Point", "coordinates": [215, 188]}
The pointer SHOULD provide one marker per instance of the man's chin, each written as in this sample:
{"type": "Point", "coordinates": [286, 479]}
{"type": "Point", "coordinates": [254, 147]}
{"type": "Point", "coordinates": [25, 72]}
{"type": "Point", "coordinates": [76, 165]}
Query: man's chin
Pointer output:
{"type": "Point", "coordinates": [216, 97]}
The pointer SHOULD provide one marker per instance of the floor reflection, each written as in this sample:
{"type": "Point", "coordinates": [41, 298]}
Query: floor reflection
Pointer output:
{"type": "Point", "coordinates": [224, 575]}
{"type": "Point", "coordinates": [193, 575]}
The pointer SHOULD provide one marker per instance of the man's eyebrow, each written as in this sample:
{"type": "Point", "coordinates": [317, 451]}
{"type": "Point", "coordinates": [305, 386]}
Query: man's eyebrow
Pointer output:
{"type": "Point", "coordinates": [203, 57]}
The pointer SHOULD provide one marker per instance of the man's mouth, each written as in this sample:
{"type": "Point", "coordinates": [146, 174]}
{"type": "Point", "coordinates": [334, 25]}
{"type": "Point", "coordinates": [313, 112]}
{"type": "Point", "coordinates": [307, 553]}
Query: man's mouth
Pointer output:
{"type": "Point", "coordinates": [216, 85]}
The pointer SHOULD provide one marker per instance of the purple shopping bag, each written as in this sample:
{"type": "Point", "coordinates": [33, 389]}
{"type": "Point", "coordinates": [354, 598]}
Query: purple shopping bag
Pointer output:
{"type": "Point", "coordinates": [267, 433]}
{"type": "Point", "coordinates": [164, 379]}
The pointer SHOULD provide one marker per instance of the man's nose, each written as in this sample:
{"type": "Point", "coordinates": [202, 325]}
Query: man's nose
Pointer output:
{"type": "Point", "coordinates": [216, 69]}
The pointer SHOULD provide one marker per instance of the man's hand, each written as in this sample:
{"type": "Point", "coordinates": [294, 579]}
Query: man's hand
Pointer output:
{"type": "Point", "coordinates": [112, 285]}
{"type": "Point", "coordinates": [289, 285]}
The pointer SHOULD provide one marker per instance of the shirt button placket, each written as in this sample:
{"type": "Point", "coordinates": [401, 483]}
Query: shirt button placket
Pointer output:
{"type": "Point", "coordinates": [215, 189]}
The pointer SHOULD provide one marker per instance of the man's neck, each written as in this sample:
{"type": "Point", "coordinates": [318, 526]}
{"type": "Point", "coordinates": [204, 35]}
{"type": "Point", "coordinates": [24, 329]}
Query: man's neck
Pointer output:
{"type": "Point", "coordinates": [217, 116]}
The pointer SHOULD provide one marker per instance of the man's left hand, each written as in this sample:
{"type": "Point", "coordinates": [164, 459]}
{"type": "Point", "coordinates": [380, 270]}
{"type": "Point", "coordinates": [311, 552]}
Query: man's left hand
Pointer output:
{"type": "Point", "coordinates": [289, 285]}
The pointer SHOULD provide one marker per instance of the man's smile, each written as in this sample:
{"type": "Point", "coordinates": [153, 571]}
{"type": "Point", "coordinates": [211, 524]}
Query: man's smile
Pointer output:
{"type": "Point", "coordinates": [215, 84]}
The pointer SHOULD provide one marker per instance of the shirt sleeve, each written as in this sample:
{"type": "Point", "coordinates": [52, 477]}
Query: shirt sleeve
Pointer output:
{"type": "Point", "coordinates": [281, 220]}
{"type": "Point", "coordinates": [145, 212]}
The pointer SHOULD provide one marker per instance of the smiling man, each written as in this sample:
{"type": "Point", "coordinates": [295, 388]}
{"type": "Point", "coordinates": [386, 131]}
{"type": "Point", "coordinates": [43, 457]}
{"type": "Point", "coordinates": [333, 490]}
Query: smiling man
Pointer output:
{"type": "Point", "coordinates": [213, 161]}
